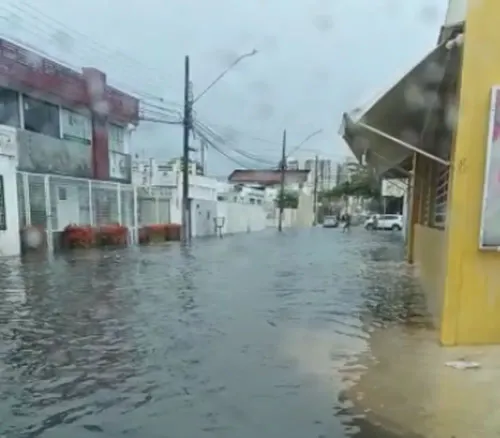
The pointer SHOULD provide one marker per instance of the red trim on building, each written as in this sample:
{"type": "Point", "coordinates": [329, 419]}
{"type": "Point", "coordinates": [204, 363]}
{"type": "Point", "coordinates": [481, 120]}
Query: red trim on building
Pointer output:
{"type": "Point", "coordinates": [23, 69]}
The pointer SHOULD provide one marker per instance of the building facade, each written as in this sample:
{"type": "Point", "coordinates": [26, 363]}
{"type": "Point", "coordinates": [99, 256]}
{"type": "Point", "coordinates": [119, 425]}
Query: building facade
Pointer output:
{"type": "Point", "coordinates": [326, 173]}
{"type": "Point", "coordinates": [454, 232]}
{"type": "Point", "coordinates": [62, 123]}
{"type": "Point", "coordinates": [153, 172]}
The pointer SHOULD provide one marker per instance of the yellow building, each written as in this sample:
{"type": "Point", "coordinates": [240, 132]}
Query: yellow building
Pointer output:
{"type": "Point", "coordinates": [438, 125]}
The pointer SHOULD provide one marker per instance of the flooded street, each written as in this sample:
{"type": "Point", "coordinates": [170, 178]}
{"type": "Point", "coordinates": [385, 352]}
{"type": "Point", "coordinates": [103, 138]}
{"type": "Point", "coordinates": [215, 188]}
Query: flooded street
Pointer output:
{"type": "Point", "coordinates": [245, 336]}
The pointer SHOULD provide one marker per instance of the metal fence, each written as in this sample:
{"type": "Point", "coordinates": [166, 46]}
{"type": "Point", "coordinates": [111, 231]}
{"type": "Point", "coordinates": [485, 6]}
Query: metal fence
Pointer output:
{"type": "Point", "coordinates": [53, 202]}
{"type": "Point", "coordinates": [153, 205]}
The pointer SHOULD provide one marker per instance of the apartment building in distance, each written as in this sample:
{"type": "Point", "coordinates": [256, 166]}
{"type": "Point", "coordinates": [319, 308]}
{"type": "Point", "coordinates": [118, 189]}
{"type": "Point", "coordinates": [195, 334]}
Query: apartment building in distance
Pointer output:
{"type": "Point", "coordinates": [327, 172]}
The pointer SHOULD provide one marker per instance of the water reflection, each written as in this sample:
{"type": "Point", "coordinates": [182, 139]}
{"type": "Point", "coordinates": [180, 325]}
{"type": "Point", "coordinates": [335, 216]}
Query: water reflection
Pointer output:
{"type": "Point", "coordinates": [234, 337]}
{"type": "Point", "coordinates": [393, 314]}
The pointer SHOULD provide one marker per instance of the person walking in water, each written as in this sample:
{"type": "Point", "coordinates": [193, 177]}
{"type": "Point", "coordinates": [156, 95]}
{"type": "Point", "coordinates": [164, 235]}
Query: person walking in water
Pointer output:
{"type": "Point", "coordinates": [347, 222]}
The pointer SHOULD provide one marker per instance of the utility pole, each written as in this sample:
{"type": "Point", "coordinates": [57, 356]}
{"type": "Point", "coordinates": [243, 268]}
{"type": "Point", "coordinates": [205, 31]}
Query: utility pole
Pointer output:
{"type": "Point", "coordinates": [186, 124]}
{"type": "Point", "coordinates": [203, 148]}
{"type": "Point", "coordinates": [315, 192]}
{"type": "Point", "coordinates": [281, 198]}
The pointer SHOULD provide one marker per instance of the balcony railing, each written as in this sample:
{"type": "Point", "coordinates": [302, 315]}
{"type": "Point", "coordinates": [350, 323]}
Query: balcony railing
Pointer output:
{"type": "Point", "coordinates": [43, 154]}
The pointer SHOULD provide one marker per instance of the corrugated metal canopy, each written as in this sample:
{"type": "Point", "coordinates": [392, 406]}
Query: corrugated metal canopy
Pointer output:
{"type": "Point", "coordinates": [401, 112]}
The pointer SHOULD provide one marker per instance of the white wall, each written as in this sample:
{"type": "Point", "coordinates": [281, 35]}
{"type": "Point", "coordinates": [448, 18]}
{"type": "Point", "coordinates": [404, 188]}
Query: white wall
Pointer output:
{"type": "Point", "coordinates": [203, 214]}
{"type": "Point", "coordinates": [289, 218]}
{"type": "Point", "coordinates": [305, 211]}
{"type": "Point", "coordinates": [201, 188]}
{"type": "Point", "coordinates": [10, 242]}
{"type": "Point", "coordinates": [241, 218]}
{"type": "Point", "coordinates": [238, 216]}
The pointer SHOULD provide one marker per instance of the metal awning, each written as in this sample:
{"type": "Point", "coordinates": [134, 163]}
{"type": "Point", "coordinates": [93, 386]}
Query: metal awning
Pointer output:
{"type": "Point", "coordinates": [387, 131]}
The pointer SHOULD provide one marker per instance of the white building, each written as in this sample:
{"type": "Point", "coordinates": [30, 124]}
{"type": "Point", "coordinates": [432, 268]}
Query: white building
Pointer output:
{"type": "Point", "coordinates": [236, 207]}
{"type": "Point", "coordinates": [327, 172]}
{"type": "Point", "coordinates": [159, 173]}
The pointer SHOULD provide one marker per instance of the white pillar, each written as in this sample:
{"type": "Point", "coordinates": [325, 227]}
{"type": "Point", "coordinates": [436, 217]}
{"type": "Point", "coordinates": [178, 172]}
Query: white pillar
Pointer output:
{"type": "Point", "coordinates": [119, 202]}
{"type": "Point", "coordinates": [10, 241]}
{"type": "Point", "coordinates": [91, 204]}
{"type": "Point", "coordinates": [48, 215]}
{"type": "Point", "coordinates": [135, 216]}
{"type": "Point", "coordinates": [26, 192]}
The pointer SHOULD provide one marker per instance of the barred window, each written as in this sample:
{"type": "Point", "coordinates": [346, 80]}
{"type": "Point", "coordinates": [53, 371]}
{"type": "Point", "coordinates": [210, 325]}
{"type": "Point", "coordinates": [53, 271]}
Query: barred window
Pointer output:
{"type": "Point", "coordinates": [440, 197]}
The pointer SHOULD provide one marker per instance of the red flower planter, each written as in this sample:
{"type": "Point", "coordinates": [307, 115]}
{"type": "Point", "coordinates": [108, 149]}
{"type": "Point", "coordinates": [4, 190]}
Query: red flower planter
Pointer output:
{"type": "Point", "coordinates": [112, 235]}
{"type": "Point", "coordinates": [78, 236]}
{"type": "Point", "coordinates": [84, 236]}
{"type": "Point", "coordinates": [159, 233]}
{"type": "Point", "coordinates": [174, 232]}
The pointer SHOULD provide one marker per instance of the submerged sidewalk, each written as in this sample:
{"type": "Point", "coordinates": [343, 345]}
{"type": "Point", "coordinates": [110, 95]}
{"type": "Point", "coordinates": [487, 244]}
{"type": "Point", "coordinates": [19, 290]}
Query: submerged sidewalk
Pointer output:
{"type": "Point", "coordinates": [403, 384]}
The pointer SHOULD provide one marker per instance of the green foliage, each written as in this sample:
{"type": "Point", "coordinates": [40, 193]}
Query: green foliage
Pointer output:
{"type": "Point", "coordinates": [362, 184]}
{"type": "Point", "coordinates": [288, 200]}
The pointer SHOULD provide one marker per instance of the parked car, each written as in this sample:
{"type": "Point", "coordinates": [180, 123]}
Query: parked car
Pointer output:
{"type": "Point", "coordinates": [330, 222]}
{"type": "Point", "coordinates": [384, 222]}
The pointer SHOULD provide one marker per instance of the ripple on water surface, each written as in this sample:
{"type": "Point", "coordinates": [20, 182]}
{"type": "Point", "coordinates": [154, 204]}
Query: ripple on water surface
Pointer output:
{"type": "Point", "coordinates": [241, 336]}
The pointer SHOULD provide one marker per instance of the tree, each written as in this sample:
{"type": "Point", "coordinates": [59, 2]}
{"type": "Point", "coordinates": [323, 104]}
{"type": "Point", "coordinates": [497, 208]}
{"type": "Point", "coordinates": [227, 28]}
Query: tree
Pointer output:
{"type": "Point", "coordinates": [362, 184]}
{"type": "Point", "coordinates": [289, 199]}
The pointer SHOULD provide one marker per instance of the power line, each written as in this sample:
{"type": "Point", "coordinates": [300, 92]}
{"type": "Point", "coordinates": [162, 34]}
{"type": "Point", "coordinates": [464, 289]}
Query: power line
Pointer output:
{"type": "Point", "coordinates": [143, 97]}
{"type": "Point", "coordinates": [41, 18]}
{"type": "Point", "coordinates": [216, 145]}
{"type": "Point", "coordinates": [145, 106]}
{"type": "Point", "coordinates": [217, 138]}
{"type": "Point", "coordinates": [221, 152]}
{"type": "Point", "coordinates": [139, 93]}
{"type": "Point", "coordinates": [230, 144]}
{"type": "Point", "coordinates": [149, 111]}
{"type": "Point", "coordinates": [247, 135]}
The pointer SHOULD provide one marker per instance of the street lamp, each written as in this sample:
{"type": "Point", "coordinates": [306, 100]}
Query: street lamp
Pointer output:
{"type": "Point", "coordinates": [230, 67]}
{"type": "Point", "coordinates": [303, 142]}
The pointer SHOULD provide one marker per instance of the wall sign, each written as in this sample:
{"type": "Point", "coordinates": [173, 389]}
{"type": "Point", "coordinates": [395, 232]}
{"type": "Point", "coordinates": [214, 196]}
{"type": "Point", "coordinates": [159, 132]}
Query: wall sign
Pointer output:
{"type": "Point", "coordinates": [3, 217]}
{"type": "Point", "coordinates": [489, 234]}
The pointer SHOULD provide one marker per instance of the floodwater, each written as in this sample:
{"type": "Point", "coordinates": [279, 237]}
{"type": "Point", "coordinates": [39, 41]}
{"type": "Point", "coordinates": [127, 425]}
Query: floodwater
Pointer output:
{"type": "Point", "coordinates": [244, 336]}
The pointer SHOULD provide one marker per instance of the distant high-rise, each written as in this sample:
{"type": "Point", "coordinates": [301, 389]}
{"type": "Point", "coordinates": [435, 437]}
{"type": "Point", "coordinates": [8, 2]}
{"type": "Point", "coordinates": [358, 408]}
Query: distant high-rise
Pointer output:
{"type": "Point", "coordinates": [292, 164]}
{"type": "Point", "coordinates": [327, 170]}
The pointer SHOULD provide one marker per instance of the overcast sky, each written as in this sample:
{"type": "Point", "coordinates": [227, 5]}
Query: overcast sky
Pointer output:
{"type": "Point", "coordinates": [316, 59]}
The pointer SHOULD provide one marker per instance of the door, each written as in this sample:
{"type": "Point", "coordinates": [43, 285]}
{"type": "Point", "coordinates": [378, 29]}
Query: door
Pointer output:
{"type": "Point", "coordinates": [203, 214]}
{"type": "Point", "coordinates": [67, 206]}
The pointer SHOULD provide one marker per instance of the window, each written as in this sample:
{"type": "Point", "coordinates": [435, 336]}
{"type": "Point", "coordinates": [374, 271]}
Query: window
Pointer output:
{"type": "Point", "coordinates": [41, 117]}
{"type": "Point", "coordinates": [76, 127]}
{"type": "Point", "coordinates": [63, 196]}
{"type": "Point", "coordinates": [9, 107]}
{"type": "Point", "coordinates": [116, 138]}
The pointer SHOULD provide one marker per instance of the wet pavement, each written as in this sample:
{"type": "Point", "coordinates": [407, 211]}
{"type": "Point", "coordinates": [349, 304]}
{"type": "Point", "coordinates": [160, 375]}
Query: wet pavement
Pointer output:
{"type": "Point", "coordinates": [250, 335]}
